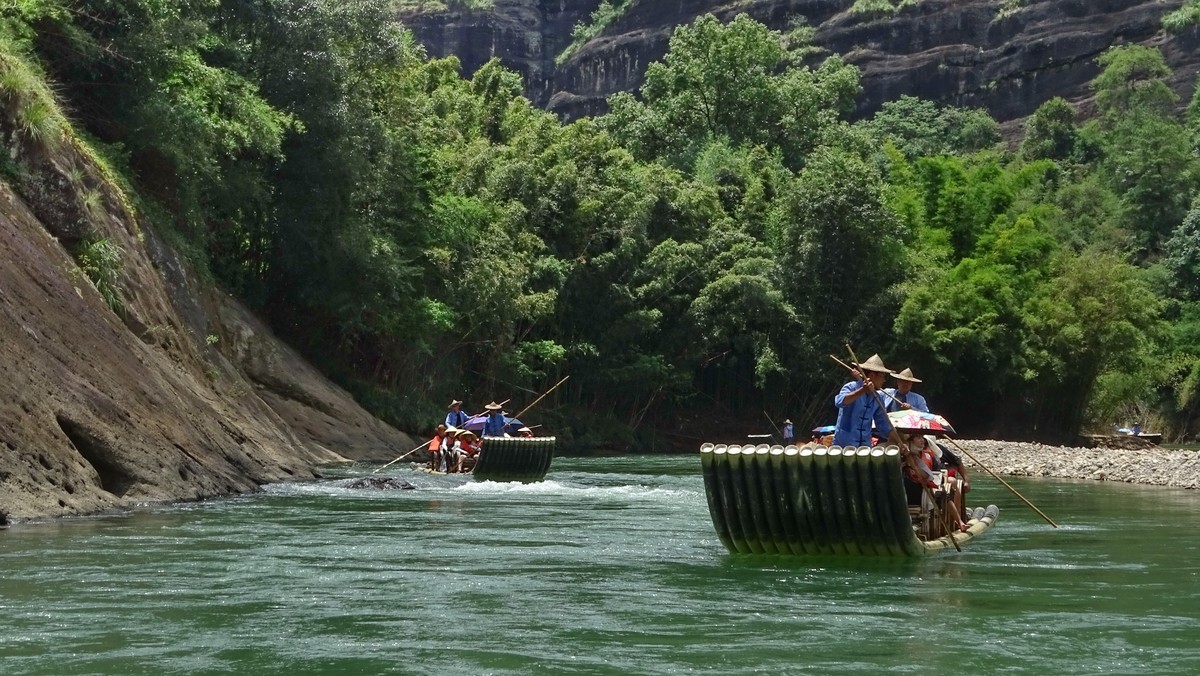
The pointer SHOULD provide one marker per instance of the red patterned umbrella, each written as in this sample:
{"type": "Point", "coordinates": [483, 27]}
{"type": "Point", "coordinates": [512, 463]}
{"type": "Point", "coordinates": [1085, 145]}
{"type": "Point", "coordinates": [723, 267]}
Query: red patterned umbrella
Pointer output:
{"type": "Point", "coordinates": [919, 421]}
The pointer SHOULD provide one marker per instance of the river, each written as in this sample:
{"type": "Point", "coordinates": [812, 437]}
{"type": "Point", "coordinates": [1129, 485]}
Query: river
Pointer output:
{"type": "Point", "coordinates": [610, 566]}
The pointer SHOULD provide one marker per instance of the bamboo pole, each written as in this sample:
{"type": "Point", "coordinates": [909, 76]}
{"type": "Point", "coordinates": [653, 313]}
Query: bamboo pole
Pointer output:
{"type": "Point", "coordinates": [997, 478]}
{"type": "Point", "coordinates": [535, 401]}
{"type": "Point", "coordinates": [773, 424]}
{"type": "Point", "coordinates": [403, 456]}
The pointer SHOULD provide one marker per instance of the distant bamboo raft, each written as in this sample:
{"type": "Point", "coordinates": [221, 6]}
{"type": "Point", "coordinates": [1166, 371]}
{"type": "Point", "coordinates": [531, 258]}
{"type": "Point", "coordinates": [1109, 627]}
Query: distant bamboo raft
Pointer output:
{"type": "Point", "coordinates": [524, 459]}
{"type": "Point", "coordinates": [813, 500]}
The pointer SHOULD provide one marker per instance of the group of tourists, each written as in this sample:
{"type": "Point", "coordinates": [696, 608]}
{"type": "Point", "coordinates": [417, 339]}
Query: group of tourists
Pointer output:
{"type": "Point", "coordinates": [934, 476]}
{"type": "Point", "coordinates": [454, 449]}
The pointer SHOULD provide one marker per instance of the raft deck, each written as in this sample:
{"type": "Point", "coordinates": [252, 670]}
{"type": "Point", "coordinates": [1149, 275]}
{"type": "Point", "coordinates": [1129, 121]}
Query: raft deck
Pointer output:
{"type": "Point", "coordinates": [813, 500]}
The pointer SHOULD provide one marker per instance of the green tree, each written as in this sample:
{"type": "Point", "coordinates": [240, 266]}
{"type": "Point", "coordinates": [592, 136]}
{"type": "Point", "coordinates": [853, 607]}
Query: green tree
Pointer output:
{"type": "Point", "coordinates": [841, 253]}
{"type": "Point", "coordinates": [1182, 257]}
{"type": "Point", "coordinates": [922, 128]}
{"type": "Point", "coordinates": [733, 82]}
{"type": "Point", "coordinates": [1148, 156]}
{"type": "Point", "coordinates": [1050, 133]}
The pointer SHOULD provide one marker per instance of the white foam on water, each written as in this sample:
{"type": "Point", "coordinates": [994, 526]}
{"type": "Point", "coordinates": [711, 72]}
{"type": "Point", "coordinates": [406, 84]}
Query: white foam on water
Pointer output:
{"type": "Point", "coordinates": [624, 493]}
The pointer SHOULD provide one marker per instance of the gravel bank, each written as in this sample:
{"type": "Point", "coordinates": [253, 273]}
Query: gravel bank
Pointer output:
{"type": "Point", "coordinates": [1158, 467]}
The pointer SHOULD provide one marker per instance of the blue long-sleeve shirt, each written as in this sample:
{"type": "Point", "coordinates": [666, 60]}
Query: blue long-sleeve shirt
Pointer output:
{"type": "Point", "coordinates": [916, 401]}
{"type": "Point", "coordinates": [494, 426]}
{"type": "Point", "coordinates": [456, 419]}
{"type": "Point", "coordinates": [854, 418]}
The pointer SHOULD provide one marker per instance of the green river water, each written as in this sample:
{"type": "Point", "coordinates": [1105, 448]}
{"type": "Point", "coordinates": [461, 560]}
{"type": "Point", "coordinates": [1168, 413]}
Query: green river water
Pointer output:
{"type": "Point", "coordinates": [610, 566]}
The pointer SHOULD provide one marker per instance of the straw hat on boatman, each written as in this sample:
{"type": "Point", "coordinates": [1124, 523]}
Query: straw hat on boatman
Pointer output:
{"type": "Point", "coordinates": [456, 418]}
{"type": "Point", "coordinates": [901, 397]}
{"type": "Point", "coordinates": [494, 425]}
{"type": "Point", "coordinates": [858, 404]}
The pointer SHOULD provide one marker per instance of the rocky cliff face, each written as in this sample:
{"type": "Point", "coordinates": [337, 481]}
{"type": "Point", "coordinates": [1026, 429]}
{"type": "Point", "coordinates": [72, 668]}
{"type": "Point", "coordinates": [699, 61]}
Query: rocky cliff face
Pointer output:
{"type": "Point", "coordinates": [961, 52]}
{"type": "Point", "coordinates": [180, 394]}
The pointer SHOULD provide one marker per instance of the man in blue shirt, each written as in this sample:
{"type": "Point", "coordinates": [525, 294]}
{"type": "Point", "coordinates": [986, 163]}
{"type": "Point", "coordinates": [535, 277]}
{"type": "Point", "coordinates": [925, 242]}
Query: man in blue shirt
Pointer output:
{"type": "Point", "coordinates": [494, 425]}
{"type": "Point", "coordinates": [901, 397]}
{"type": "Point", "coordinates": [858, 406]}
{"type": "Point", "coordinates": [789, 432]}
{"type": "Point", "coordinates": [456, 418]}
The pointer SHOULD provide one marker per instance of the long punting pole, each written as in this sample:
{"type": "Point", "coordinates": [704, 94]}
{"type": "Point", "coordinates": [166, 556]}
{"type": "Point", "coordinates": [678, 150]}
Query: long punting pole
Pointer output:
{"type": "Point", "coordinates": [773, 425]}
{"type": "Point", "coordinates": [994, 475]}
{"type": "Point", "coordinates": [909, 458]}
{"type": "Point", "coordinates": [403, 456]}
{"type": "Point", "coordinates": [535, 401]}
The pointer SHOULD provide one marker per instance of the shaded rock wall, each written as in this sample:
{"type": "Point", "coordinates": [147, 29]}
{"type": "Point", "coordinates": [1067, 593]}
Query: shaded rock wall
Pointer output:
{"type": "Point", "coordinates": [960, 52]}
{"type": "Point", "coordinates": [181, 395]}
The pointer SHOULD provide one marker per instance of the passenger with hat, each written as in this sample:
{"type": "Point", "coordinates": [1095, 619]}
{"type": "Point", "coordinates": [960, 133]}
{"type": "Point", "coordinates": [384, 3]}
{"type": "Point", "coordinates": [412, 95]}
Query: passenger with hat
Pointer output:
{"type": "Point", "coordinates": [440, 438]}
{"type": "Point", "coordinates": [465, 450]}
{"type": "Point", "coordinates": [901, 397]}
{"type": "Point", "coordinates": [789, 432]}
{"type": "Point", "coordinates": [494, 425]}
{"type": "Point", "coordinates": [858, 406]}
{"type": "Point", "coordinates": [456, 418]}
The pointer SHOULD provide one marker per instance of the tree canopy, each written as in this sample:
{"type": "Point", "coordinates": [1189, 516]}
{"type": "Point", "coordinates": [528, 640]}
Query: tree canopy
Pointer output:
{"type": "Point", "coordinates": [424, 233]}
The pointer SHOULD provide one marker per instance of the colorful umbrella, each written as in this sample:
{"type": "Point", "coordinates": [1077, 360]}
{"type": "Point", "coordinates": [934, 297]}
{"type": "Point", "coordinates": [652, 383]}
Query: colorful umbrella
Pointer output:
{"type": "Point", "coordinates": [475, 423]}
{"type": "Point", "coordinates": [919, 421]}
{"type": "Point", "coordinates": [824, 429]}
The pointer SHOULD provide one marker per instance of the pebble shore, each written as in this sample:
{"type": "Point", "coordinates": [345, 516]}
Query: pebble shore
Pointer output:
{"type": "Point", "coordinates": [1156, 466]}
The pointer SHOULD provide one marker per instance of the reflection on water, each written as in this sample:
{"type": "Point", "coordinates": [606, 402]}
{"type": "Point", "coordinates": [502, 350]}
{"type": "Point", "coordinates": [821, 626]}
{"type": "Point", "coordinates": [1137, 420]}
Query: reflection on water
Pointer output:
{"type": "Point", "coordinates": [609, 566]}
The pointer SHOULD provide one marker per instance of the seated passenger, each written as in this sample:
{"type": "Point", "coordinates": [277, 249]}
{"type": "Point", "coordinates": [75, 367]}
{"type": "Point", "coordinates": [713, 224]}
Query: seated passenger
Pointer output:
{"type": "Point", "coordinates": [469, 444]}
{"type": "Point", "coordinates": [955, 469]}
{"type": "Point", "coordinates": [453, 451]}
{"type": "Point", "coordinates": [915, 485]}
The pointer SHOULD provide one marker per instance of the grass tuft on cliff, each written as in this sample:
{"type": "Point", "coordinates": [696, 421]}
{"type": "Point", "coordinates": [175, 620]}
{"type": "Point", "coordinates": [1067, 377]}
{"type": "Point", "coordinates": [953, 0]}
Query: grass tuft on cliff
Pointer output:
{"type": "Point", "coordinates": [435, 6]}
{"type": "Point", "coordinates": [100, 261]}
{"type": "Point", "coordinates": [28, 100]}
{"type": "Point", "coordinates": [605, 14]}
{"type": "Point", "coordinates": [1187, 16]}
{"type": "Point", "coordinates": [880, 7]}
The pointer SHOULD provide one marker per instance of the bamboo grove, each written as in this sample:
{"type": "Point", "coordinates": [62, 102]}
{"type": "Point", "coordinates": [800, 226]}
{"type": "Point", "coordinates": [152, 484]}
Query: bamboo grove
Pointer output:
{"type": "Point", "coordinates": [691, 257]}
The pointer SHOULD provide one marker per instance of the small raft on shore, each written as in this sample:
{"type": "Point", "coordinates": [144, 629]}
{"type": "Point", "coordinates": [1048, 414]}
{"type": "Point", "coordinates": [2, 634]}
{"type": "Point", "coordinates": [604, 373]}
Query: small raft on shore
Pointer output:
{"type": "Point", "coordinates": [813, 500]}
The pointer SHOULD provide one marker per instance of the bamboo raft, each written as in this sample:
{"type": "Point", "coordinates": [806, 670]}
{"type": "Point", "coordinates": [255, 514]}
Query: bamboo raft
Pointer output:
{"type": "Point", "coordinates": [813, 500]}
{"type": "Point", "coordinates": [523, 459]}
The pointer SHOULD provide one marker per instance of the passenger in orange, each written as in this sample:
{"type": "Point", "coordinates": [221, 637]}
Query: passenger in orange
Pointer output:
{"type": "Point", "coordinates": [469, 443]}
{"type": "Point", "coordinates": [435, 448]}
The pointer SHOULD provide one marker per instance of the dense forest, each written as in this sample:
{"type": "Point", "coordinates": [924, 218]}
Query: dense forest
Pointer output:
{"type": "Point", "coordinates": [691, 259]}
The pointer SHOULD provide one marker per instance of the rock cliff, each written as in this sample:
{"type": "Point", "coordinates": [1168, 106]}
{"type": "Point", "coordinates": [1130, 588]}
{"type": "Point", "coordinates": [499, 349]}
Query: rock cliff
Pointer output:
{"type": "Point", "coordinates": [961, 52]}
{"type": "Point", "coordinates": [179, 393]}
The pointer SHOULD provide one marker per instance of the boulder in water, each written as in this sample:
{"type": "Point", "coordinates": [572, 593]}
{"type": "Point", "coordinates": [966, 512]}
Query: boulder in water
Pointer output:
{"type": "Point", "coordinates": [382, 483]}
